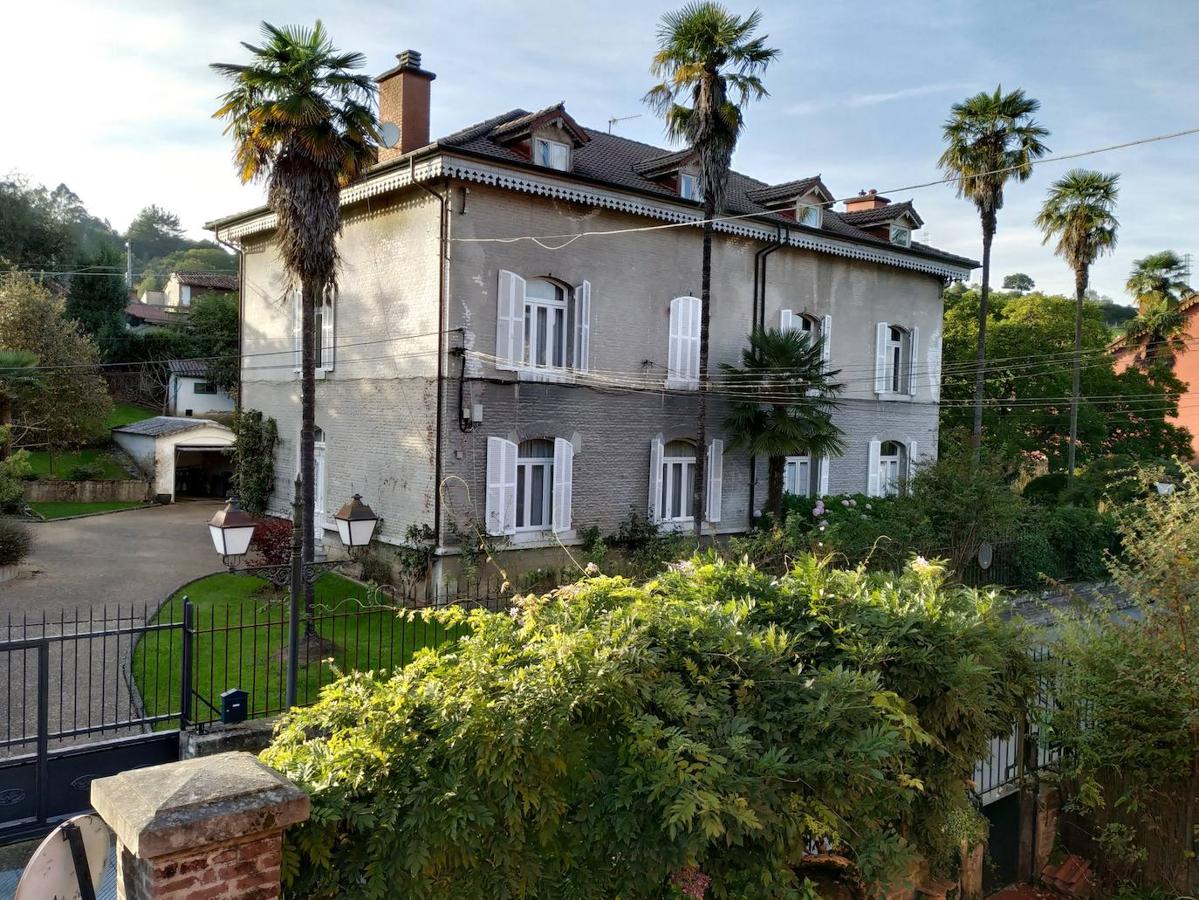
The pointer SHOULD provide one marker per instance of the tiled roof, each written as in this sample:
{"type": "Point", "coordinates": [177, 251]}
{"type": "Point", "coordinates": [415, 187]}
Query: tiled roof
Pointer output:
{"type": "Point", "coordinates": [864, 218]}
{"type": "Point", "coordinates": [218, 280]}
{"type": "Point", "coordinates": [159, 426]}
{"type": "Point", "coordinates": [656, 166]}
{"type": "Point", "coordinates": [189, 368]}
{"type": "Point", "coordinates": [786, 191]}
{"type": "Point", "coordinates": [619, 161]}
{"type": "Point", "coordinates": [513, 128]}
{"type": "Point", "coordinates": [155, 314]}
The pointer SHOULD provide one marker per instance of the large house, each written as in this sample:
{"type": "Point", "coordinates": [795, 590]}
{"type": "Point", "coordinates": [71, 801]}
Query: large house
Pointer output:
{"type": "Point", "coordinates": [181, 287]}
{"type": "Point", "coordinates": [513, 344]}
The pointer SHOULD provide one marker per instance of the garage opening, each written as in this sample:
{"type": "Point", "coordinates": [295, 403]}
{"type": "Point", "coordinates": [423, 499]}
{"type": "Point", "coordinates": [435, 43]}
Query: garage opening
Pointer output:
{"type": "Point", "coordinates": [203, 472]}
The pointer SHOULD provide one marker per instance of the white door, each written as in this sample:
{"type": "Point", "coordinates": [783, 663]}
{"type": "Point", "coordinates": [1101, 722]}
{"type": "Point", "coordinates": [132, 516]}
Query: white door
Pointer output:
{"type": "Point", "coordinates": [318, 483]}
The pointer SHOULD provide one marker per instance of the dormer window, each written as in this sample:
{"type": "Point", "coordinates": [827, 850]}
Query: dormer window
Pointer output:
{"type": "Point", "coordinates": [551, 154]}
{"type": "Point", "coordinates": [901, 235]}
{"type": "Point", "coordinates": [809, 214]}
{"type": "Point", "coordinates": [690, 188]}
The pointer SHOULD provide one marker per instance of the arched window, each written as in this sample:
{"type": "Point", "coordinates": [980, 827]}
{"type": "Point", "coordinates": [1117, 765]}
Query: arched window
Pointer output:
{"type": "Point", "coordinates": [534, 485]}
{"type": "Point", "coordinates": [677, 502]}
{"type": "Point", "coordinates": [545, 336]}
{"type": "Point", "coordinates": [896, 338]}
{"type": "Point", "coordinates": [891, 468]}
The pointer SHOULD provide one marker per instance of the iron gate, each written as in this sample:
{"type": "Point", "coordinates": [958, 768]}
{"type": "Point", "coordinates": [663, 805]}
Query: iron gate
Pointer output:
{"type": "Point", "coordinates": [71, 713]}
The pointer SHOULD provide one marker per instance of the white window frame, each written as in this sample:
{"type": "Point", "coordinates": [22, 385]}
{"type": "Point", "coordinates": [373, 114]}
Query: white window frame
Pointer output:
{"type": "Point", "coordinates": [890, 470]}
{"type": "Point", "coordinates": [555, 152]}
{"type": "Point", "coordinates": [514, 308]}
{"type": "Point", "coordinates": [682, 356]}
{"type": "Point", "coordinates": [685, 465]}
{"type": "Point", "coordinates": [901, 235]}
{"type": "Point", "coordinates": [664, 491]}
{"type": "Point", "coordinates": [896, 361]}
{"type": "Point", "coordinates": [526, 502]}
{"type": "Point", "coordinates": [555, 328]}
{"type": "Point", "coordinates": [896, 344]}
{"type": "Point", "coordinates": [797, 476]}
{"type": "Point", "coordinates": [813, 210]}
{"type": "Point", "coordinates": [325, 323]}
{"type": "Point", "coordinates": [690, 187]}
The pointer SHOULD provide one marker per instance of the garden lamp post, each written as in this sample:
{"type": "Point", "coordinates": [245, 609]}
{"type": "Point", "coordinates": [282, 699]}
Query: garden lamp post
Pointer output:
{"type": "Point", "coordinates": [232, 531]}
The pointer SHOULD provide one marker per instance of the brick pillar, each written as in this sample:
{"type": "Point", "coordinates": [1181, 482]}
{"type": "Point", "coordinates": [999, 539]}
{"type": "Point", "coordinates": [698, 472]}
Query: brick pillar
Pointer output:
{"type": "Point", "coordinates": [202, 829]}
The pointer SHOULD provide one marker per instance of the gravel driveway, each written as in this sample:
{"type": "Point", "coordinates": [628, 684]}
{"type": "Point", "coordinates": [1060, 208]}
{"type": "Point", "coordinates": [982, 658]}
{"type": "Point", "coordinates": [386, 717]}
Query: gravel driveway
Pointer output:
{"type": "Point", "coordinates": [115, 568]}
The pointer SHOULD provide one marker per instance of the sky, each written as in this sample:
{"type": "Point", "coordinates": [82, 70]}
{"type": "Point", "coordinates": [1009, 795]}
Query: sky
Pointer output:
{"type": "Point", "coordinates": [118, 97]}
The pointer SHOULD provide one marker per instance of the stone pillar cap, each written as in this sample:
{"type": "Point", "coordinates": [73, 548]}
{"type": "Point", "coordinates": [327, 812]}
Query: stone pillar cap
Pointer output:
{"type": "Point", "coordinates": [187, 805]}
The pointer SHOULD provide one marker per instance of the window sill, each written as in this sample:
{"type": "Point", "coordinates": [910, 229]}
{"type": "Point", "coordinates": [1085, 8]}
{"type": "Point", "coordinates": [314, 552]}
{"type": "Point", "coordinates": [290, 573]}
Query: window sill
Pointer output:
{"type": "Point", "coordinates": [675, 385]}
{"type": "Point", "coordinates": [544, 376]}
{"type": "Point", "coordinates": [889, 397]}
{"type": "Point", "coordinates": [319, 374]}
{"type": "Point", "coordinates": [532, 539]}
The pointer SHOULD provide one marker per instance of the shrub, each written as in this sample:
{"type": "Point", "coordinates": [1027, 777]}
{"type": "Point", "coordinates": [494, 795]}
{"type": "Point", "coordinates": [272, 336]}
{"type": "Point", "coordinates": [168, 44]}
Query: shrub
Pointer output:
{"type": "Point", "coordinates": [86, 472]}
{"type": "Point", "coordinates": [14, 471]}
{"type": "Point", "coordinates": [611, 738]}
{"type": "Point", "coordinates": [272, 540]}
{"type": "Point", "coordinates": [645, 546]}
{"type": "Point", "coordinates": [255, 439]}
{"type": "Point", "coordinates": [15, 542]}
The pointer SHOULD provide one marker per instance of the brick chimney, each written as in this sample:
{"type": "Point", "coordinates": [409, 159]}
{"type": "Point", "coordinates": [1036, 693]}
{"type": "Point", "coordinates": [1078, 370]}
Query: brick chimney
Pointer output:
{"type": "Point", "coordinates": [404, 100]}
{"type": "Point", "coordinates": [870, 199]}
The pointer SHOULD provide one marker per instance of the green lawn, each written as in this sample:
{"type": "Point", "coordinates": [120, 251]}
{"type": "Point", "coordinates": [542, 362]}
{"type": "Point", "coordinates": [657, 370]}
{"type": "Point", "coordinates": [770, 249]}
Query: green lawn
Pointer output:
{"type": "Point", "coordinates": [39, 462]}
{"type": "Point", "coordinates": [126, 414]}
{"type": "Point", "coordinates": [241, 640]}
{"type": "Point", "coordinates": [60, 509]}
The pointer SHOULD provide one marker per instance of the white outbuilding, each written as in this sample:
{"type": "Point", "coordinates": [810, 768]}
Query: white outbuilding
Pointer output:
{"type": "Point", "coordinates": [184, 457]}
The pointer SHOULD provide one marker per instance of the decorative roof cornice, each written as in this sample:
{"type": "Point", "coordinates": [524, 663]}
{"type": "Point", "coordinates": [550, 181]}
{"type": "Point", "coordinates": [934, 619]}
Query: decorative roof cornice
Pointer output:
{"type": "Point", "coordinates": [542, 183]}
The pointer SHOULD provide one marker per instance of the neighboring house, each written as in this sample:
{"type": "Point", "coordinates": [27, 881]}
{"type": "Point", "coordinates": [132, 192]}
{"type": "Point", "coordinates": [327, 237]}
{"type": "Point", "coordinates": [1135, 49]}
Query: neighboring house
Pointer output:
{"type": "Point", "coordinates": [471, 377]}
{"type": "Point", "coordinates": [153, 298]}
{"type": "Point", "coordinates": [181, 287]}
{"type": "Point", "coordinates": [190, 393]}
{"type": "Point", "coordinates": [182, 457]}
{"type": "Point", "coordinates": [1186, 367]}
{"type": "Point", "coordinates": [141, 315]}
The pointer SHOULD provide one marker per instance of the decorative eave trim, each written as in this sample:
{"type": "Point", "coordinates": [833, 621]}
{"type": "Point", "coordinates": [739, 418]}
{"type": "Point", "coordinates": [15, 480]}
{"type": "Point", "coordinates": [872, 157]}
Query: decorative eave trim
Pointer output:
{"type": "Point", "coordinates": [497, 175]}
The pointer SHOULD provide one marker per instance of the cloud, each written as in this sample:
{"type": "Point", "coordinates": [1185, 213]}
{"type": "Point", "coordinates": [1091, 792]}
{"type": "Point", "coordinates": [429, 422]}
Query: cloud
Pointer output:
{"type": "Point", "coordinates": [876, 99]}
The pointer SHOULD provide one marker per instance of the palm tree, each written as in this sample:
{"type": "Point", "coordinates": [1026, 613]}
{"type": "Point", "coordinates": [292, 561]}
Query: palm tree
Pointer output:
{"type": "Point", "coordinates": [18, 371]}
{"type": "Point", "coordinates": [302, 120]}
{"type": "Point", "coordinates": [782, 401]}
{"type": "Point", "coordinates": [990, 138]}
{"type": "Point", "coordinates": [709, 64]}
{"type": "Point", "coordinates": [1079, 213]}
{"type": "Point", "coordinates": [1159, 284]}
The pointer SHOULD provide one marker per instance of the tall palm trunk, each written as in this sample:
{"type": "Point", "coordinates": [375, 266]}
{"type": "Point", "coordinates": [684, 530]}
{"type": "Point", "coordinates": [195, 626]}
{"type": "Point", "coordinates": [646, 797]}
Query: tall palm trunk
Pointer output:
{"type": "Point", "coordinates": [1080, 289]}
{"type": "Point", "coordinates": [776, 467]}
{"type": "Point", "coordinates": [309, 293]}
{"type": "Point", "coordinates": [700, 488]}
{"type": "Point", "coordinates": [980, 379]}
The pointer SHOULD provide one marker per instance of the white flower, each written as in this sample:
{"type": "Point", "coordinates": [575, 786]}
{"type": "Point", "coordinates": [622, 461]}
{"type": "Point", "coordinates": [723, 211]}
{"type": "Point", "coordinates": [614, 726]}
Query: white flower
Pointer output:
{"type": "Point", "coordinates": [868, 506]}
{"type": "Point", "coordinates": [845, 503]}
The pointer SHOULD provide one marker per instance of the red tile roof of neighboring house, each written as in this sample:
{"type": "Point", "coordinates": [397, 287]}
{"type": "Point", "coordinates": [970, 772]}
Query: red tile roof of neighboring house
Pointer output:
{"type": "Point", "coordinates": [216, 280]}
{"type": "Point", "coordinates": [864, 218]}
{"type": "Point", "coordinates": [152, 314]}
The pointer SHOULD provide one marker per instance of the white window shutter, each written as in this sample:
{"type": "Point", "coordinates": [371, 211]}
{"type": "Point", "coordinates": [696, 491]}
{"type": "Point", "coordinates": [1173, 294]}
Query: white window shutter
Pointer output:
{"type": "Point", "coordinates": [583, 327]}
{"type": "Point", "coordinates": [682, 358]}
{"type": "Point", "coordinates": [509, 319]}
{"type": "Point", "coordinates": [913, 358]}
{"type": "Point", "coordinates": [674, 350]}
{"type": "Point", "coordinates": [656, 449]}
{"type": "Point", "coordinates": [564, 455]}
{"type": "Point", "coordinates": [873, 488]}
{"type": "Point", "coordinates": [297, 328]}
{"type": "Point", "coordinates": [786, 320]}
{"type": "Point", "coordinates": [826, 335]}
{"type": "Point", "coordinates": [880, 358]}
{"type": "Point", "coordinates": [822, 478]}
{"type": "Point", "coordinates": [501, 486]}
{"type": "Point", "coordinates": [328, 335]}
{"type": "Point", "coordinates": [911, 462]}
{"type": "Point", "coordinates": [693, 342]}
{"type": "Point", "coordinates": [715, 478]}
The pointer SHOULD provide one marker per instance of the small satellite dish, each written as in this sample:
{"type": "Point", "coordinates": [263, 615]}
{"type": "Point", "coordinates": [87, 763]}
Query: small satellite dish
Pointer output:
{"type": "Point", "coordinates": [69, 863]}
{"type": "Point", "coordinates": [389, 133]}
{"type": "Point", "coordinates": [986, 554]}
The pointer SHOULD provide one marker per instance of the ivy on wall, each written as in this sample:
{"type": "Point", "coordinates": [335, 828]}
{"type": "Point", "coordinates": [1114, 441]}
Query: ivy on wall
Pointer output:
{"type": "Point", "coordinates": [257, 437]}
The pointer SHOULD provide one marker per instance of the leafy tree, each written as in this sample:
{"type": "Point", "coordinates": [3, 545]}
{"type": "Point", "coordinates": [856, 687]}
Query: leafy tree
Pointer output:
{"type": "Point", "coordinates": [783, 405]}
{"type": "Point", "coordinates": [1114, 314]}
{"type": "Point", "coordinates": [1028, 396]}
{"type": "Point", "coordinates": [603, 739]}
{"type": "Point", "coordinates": [212, 329]}
{"type": "Point", "coordinates": [18, 374]}
{"type": "Point", "coordinates": [1018, 282]}
{"type": "Point", "coordinates": [1158, 284]}
{"type": "Point", "coordinates": [97, 296]}
{"type": "Point", "coordinates": [990, 139]}
{"type": "Point", "coordinates": [301, 119]}
{"type": "Point", "coordinates": [710, 66]}
{"type": "Point", "coordinates": [30, 235]}
{"type": "Point", "coordinates": [155, 232]}
{"type": "Point", "coordinates": [257, 437]}
{"type": "Point", "coordinates": [70, 402]}
{"type": "Point", "coordinates": [201, 256]}
{"type": "Point", "coordinates": [1079, 212]}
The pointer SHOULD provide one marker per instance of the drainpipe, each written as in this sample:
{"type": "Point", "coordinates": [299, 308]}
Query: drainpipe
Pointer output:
{"type": "Point", "coordinates": [758, 320]}
{"type": "Point", "coordinates": [442, 246]}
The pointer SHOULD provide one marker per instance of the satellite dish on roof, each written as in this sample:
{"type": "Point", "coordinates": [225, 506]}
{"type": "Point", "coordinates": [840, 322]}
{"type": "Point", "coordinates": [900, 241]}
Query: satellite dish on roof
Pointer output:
{"type": "Point", "coordinates": [389, 133]}
{"type": "Point", "coordinates": [69, 864]}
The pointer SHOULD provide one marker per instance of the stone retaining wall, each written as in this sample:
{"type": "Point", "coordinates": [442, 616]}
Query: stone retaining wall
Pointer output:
{"type": "Point", "coordinates": [87, 491]}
